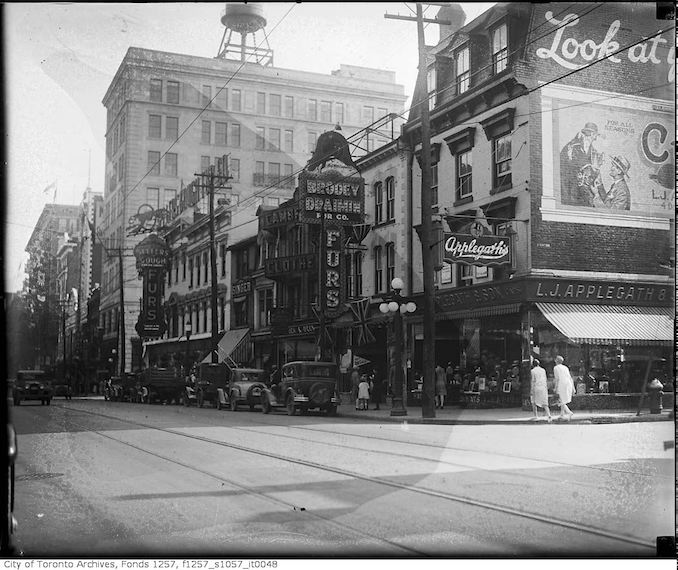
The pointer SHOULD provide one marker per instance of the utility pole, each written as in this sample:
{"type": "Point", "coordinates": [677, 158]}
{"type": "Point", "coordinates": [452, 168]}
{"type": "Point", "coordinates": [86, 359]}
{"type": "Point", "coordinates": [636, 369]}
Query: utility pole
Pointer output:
{"type": "Point", "coordinates": [427, 403]}
{"type": "Point", "coordinates": [221, 176]}
{"type": "Point", "coordinates": [121, 319]}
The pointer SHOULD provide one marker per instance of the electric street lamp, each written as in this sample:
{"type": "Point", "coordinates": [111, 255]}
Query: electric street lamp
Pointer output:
{"type": "Point", "coordinates": [188, 329]}
{"type": "Point", "coordinates": [398, 306]}
{"type": "Point", "coordinates": [114, 360]}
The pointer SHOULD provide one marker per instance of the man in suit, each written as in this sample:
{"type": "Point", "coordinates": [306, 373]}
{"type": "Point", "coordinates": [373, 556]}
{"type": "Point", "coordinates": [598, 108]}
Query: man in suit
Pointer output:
{"type": "Point", "coordinates": [574, 156]}
{"type": "Point", "coordinates": [618, 196]}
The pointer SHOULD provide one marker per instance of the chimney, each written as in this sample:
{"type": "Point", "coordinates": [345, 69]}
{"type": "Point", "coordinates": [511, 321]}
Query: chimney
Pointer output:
{"type": "Point", "coordinates": [454, 14]}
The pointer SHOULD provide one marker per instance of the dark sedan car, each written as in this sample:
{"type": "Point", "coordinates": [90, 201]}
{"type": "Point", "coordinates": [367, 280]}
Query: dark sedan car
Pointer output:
{"type": "Point", "coordinates": [33, 385]}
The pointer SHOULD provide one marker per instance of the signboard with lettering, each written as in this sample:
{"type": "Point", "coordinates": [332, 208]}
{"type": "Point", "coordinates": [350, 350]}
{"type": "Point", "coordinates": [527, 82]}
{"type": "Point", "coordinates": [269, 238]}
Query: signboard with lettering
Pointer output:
{"type": "Point", "coordinates": [577, 291]}
{"type": "Point", "coordinates": [293, 264]}
{"type": "Point", "coordinates": [617, 159]}
{"type": "Point", "coordinates": [332, 271]}
{"type": "Point", "coordinates": [151, 255]}
{"type": "Point", "coordinates": [242, 287]}
{"type": "Point", "coordinates": [332, 194]}
{"type": "Point", "coordinates": [476, 245]}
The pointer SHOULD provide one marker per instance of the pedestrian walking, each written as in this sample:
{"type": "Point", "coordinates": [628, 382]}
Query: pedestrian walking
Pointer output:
{"type": "Point", "coordinates": [539, 393]}
{"type": "Point", "coordinates": [363, 393]}
{"type": "Point", "coordinates": [377, 389]}
{"type": "Point", "coordinates": [564, 387]}
{"type": "Point", "coordinates": [441, 387]}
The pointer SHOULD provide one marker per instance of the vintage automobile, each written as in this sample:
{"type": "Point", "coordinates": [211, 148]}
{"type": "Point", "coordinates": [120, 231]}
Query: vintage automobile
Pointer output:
{"type": "Point", "coordinates": [33, 385]}
{"type": "Point", "coordinates": [162, 385]}
{"type": "Point", "coordinates": [123, 388]}
{"type": "Point", "coordinates": [245, 387]}
{"type": "Point", "coordinates": [211, 377]}
{"type": "Point", "coordinates": [304, 386]}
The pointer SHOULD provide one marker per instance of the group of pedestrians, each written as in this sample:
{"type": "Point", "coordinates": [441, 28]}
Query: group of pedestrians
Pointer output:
{"type": "Point", "coordinates": [564, 388]}
{"type": "Point", "coordinates": [367, 387]}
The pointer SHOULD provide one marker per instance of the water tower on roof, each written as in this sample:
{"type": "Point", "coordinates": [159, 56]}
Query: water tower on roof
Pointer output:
{"type": "Point", "coordinates": [246, 19]}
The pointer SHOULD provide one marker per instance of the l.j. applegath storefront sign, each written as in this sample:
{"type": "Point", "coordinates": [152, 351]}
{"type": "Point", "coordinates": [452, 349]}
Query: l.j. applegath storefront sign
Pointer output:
{"type": "Point", "coordinates": [579, 291]}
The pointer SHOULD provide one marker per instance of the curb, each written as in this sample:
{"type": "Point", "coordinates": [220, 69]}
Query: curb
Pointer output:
{"type": "Point", "coordinates": [602, 419]}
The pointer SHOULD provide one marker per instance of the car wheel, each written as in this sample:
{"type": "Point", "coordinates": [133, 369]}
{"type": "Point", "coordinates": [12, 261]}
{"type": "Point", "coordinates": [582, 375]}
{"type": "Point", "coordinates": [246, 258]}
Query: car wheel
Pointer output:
{"type": "Point", "coordinates": [291, 408]}
{"type": "Point", "coordinates": [233, 403]}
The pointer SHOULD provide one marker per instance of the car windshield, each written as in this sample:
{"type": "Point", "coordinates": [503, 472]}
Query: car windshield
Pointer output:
{"type": "Point", "coordinates": [250, 377]}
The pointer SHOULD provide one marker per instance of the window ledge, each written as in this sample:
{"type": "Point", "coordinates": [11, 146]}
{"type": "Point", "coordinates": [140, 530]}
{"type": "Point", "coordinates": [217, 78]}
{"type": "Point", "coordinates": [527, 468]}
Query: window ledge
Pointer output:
{"type": "Point", "coordinates": [462, 201]}
{"type": "Point", "coordinates": [502, 188]}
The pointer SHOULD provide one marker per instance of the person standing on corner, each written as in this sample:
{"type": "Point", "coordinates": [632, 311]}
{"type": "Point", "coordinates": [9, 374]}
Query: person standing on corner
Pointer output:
{"type": "Point", "coordinates": [363, 393]}
{"type": "Point", "coordinates": [564, 387]}
{"type": "Point", "coordinates": [441, 387]}
{"type": "Point", "coordinates": [539, 393]}
{"type": "Point", "coordinates": [377, 389]}
{"type": "Point", "coordinates": [355, 380]}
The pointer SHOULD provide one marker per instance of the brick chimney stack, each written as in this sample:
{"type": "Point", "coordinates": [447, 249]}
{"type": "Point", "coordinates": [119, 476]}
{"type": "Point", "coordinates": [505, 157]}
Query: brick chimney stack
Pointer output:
{"type": "Point", "coordinates": [453, 13]}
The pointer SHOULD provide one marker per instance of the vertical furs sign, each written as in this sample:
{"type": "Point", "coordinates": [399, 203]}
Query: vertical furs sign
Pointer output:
{"type": "Point", "coordinates": [151, 255]}
{"type": "Point", "coordinates": [332, 272]}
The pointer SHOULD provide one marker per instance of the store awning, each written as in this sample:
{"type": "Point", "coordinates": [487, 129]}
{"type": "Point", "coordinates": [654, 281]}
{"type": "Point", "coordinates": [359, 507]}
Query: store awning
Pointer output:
{"type": "Point", "coordinates": [603, 324]}
{"type": "Point", "coordinates": [233, 345]}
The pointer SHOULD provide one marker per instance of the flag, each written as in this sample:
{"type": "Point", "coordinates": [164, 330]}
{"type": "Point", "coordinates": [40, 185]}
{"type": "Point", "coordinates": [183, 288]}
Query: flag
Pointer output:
{"type": "Point", "coordinates": [360, 310]}
{"type": "Point", "coordinates": [52, 186]}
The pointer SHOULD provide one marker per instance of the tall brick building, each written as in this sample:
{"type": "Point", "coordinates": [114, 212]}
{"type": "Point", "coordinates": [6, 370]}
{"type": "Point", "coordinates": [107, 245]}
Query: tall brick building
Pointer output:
{"type": "Point", "coordinates": [553, 135]}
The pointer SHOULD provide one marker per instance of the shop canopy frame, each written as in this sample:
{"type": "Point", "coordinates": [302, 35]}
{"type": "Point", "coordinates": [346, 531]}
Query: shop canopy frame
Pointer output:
{"type": "Point", "coordinates": [611, 324]}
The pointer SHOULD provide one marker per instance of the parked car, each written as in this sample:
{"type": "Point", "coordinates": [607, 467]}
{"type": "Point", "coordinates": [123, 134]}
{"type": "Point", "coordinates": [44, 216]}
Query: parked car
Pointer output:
{"type": "Point", "coordinates": [33, 385]}
{"type": "Point", "coordinates": [245, 387]}
{"type": "Point", "coordinates": [163, 385]}
{"type": "Point", "coordinates": [211, 378]}
{"type": "Point", "coordinates": [304, 386]}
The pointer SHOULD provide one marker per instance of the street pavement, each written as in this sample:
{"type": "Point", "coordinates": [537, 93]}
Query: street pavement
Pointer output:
{"type": "Point", "coordinates": [452, 415]}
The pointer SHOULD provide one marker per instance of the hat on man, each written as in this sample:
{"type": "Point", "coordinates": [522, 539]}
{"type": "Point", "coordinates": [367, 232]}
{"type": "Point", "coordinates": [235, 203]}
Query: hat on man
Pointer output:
{"type": "Point", "coordinates": [590, 128]}
{"type": "Point", "coordinates": [621, 163]}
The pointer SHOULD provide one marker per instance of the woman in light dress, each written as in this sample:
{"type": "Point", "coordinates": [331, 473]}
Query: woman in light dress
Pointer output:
{"type": "Point", "coordinates": [539, 393]}
{"type": "Point", "coordinates": [564, 387]}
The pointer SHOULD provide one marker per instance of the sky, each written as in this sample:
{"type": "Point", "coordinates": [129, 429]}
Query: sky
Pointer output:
{"type": "Point", "coordinates": [60, 58]}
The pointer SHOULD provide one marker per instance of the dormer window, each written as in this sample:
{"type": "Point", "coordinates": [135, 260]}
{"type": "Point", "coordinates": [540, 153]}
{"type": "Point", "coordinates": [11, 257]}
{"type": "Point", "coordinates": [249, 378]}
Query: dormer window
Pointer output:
{"type": "Point", "coordinates": [462, 64]}
{"type": "Point", "coordinates": [499, 49]}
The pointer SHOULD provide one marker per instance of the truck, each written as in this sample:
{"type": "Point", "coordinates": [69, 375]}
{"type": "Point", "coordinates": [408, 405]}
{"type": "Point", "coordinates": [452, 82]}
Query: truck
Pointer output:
{"type": "Point", "coordinates": [162, 385]}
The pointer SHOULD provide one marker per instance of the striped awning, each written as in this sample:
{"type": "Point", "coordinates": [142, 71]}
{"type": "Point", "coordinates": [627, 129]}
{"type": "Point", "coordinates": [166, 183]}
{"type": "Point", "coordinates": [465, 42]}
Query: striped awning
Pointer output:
{"type": "Point", "coordinates": [234, 345]}
{"type": "Point", "coordinates": [611, 324]}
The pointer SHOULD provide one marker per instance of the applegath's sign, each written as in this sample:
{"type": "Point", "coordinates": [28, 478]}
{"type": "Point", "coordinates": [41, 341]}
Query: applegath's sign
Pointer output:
{"type": "Point", "coordinates": [477, 250]}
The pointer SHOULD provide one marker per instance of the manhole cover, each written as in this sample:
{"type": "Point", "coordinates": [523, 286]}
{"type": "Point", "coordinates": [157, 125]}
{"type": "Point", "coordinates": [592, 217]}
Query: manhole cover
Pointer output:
{"type": "Point", "coordinates": [38, 476]}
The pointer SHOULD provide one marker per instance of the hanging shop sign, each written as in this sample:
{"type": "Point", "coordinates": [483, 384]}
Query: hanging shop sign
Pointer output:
{"type": "Point", "coordinates": [287, 213]}
{"type": "Point", "coordinates": [332, 273]}
{"type": "Point", "coordinates": [331, 195]}
{"type": "Point", "coordinates": [151, 255]}
{"type": "Point", "coordinates": [476, 246]}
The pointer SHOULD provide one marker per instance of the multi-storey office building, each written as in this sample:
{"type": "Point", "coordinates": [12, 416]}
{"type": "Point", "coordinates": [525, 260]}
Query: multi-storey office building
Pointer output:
{"type": "Point", "coordinates": [169, 116]}
{"type": "Point", "coordinates": [41, 285]}
{"type": "Point", "coordinates": [552, 130]}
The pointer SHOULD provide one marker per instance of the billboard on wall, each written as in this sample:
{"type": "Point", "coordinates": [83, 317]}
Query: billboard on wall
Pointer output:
{"type": "Point", "coordinates": [613, 157]}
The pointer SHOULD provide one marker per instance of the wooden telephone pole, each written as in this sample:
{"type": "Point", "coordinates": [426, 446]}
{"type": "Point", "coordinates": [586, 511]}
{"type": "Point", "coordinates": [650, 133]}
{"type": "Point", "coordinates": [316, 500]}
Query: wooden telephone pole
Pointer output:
{"type": "Point", "coordinates": [214, 179]}
{"type": "Point", "coordinates": [425, 236]}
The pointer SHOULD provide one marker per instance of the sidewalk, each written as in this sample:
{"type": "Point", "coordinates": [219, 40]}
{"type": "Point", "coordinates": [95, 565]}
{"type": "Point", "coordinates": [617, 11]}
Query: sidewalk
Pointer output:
{"type": "Point", "coordinates": [454, 415]}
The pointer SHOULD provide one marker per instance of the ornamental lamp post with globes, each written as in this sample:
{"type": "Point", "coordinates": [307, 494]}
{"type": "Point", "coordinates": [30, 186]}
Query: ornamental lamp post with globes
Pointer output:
{"type": "Point", "coordinates": [188, 329]}
{"type": "Point", "coordinates": [398, 306]}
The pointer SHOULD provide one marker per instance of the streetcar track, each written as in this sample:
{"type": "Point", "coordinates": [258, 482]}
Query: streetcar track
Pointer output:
{"type": "Point", "coordinates": [354, 475]}
{"type": "Point", "coordinates": [427, 445]}
{"type": "Point", "coordinates": [248, 490]}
